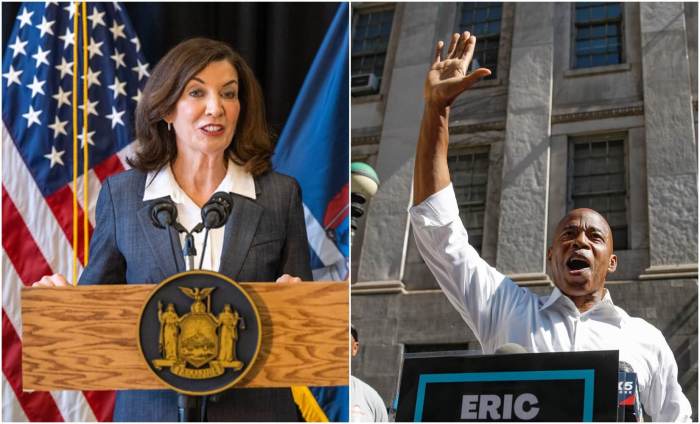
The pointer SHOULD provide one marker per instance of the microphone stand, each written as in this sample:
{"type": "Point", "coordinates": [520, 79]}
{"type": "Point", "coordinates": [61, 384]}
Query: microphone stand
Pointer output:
{"type": "Point", "coordinates": [189, 251]}
{"type": "Point", "coordinates": [191, 408]}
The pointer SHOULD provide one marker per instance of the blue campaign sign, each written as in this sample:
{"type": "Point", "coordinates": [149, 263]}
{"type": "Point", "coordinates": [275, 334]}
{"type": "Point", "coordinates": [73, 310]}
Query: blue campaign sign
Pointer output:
{"type": "Point", "coordinates": [569, 386]}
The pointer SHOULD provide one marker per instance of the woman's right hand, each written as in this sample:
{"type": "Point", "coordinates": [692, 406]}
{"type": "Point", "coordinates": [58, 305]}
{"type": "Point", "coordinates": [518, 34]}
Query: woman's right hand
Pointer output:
{"type": "Point", "coordinates": [56, 280]}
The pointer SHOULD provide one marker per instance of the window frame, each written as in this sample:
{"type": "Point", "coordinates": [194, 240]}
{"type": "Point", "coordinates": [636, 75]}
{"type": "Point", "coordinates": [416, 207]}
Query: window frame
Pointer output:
{"type": "Point", "coordinates": [495, 76]}
{"type": "Point", "coordinates": [474, 150]}
{"type": "Point", "coordinates": [600, 138]}
{"type": "Point", "coordinates": [357, 10]}
{"type": "Point", "coordinates": [574, 31]}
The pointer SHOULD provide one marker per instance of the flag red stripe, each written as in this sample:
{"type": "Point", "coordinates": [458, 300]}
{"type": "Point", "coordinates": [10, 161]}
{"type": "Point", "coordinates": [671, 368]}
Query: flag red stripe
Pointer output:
{"type": "Point", "coordinates": [338, 203]}
{"type": "Point", "coordinates": [30, 264]}
{"type": "Point", "coordinates": [38, 406]}
{"type": "Point", "coordinates": [102, 404]}
{"type": "Point", "coordinates": [110, 166]}
{"type": "Point", "coordinates": [61, 204]}
{"type": "Point", "coordinates": [20, 245]}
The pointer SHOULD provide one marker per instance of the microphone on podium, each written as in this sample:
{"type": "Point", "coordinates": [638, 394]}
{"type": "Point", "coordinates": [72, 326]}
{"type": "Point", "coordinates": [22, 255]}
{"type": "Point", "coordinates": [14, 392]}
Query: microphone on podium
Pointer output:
{"type": "Point", "coordinates": [164, 215]}
{"type": "Point", "coordinates": [215, 213]}
{"type": "Point", "coordinates": [629, 408]}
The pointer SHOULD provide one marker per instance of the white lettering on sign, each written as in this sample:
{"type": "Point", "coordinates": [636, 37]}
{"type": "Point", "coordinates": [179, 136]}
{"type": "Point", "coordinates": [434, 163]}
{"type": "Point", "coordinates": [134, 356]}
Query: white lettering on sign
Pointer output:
{"type": "Point", "coordinates": [493, 407]}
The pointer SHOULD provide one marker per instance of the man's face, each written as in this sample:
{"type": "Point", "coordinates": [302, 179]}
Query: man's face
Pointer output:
{"type": "Point", "coordinates": [581, 254]}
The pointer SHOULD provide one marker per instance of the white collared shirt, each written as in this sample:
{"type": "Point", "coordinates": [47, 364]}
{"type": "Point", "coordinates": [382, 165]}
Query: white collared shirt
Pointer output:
{"type": "Point", "coordinates": [500, 312]}
{"type": "Point", "coordinates": [162, 183]}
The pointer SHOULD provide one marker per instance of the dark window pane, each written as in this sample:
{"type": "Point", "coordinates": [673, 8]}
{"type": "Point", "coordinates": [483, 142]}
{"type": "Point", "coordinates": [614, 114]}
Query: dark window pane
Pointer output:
{"type": "Point", "coordinates": [614, 10]}
{"type": "Point", "coordinates": [620, 238]}
{"type": "Point", "coordinates": [597, 180]}
{"type": "Point", "coordinates": [597, 33]}
{"type": "Point", "coordinates": [597, 13]}
{"type": "Point", "coordinates": [370, 38]}
{"type": "Point", "coordinates": [469, 175]}
{"type": "Point", "coordinates": [484, 21]}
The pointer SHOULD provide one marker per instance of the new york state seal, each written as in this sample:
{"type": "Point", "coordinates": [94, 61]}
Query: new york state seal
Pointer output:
{"type": "Point", "coordinates": [199, 332]}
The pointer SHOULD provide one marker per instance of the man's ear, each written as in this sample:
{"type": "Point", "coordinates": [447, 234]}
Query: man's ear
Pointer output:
{"type": "Point", "coordinates": [613, 263]}
{"type": "Point", "coordinates": [549, 253]}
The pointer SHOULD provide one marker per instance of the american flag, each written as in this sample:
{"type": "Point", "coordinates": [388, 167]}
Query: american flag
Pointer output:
{"type": "Point", "coordinates": [37, 158]}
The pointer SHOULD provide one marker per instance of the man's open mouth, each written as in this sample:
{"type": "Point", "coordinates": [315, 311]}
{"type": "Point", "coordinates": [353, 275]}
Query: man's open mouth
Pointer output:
{"type": "Point", "coordinates": [577, 263]}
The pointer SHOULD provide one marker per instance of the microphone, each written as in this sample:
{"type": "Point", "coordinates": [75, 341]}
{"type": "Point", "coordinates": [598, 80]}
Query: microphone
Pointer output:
{"type": "Point", "coordinates": [217, 209]}
{"type": "Point", "coordinates": [628, 405]}
{"type": "Point", "coordinates": [164, 215]}
{"type": "Point", "coordinates": [214, 215]}
{"type": "Point", "coordinates": [510, 348]}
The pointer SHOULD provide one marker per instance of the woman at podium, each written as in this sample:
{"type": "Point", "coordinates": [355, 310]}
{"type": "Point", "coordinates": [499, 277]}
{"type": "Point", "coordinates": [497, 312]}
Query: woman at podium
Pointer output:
{"type": "Point", "coordinates": [201, 129]}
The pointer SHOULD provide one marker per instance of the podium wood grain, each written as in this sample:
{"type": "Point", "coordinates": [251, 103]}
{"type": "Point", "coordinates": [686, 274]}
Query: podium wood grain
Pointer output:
{"type": "Point", "coordinates": [84, 338]}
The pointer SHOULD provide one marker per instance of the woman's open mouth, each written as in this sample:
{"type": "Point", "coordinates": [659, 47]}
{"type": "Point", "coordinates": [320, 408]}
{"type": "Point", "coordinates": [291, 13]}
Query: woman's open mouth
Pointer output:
{"type": "Point", "coordinates": [212, 130]}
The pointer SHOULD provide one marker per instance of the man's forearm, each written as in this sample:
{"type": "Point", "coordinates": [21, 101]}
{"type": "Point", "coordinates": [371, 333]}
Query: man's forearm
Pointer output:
{"type": "Point", "coordinates": [431, 173]}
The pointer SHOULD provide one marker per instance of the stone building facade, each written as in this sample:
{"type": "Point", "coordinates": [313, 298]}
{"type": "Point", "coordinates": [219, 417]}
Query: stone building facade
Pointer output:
{"type": "Point", "coordinates": [549, 132]}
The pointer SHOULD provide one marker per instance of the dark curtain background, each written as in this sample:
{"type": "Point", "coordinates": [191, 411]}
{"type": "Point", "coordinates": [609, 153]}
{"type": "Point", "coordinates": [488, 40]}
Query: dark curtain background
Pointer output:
{"type": "Point", "coordinates": [279, 40]}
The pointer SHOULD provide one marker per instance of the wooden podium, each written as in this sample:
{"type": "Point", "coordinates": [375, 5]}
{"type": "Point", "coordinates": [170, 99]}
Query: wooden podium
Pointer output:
{"type": "Point", "coordinates": [85, 338]}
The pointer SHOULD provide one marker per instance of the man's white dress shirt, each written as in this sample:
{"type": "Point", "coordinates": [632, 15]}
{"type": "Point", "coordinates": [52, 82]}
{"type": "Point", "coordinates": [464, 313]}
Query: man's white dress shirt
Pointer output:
{"type": "Point", "coordinates": [162, 183]}
{"type": "Point", "coordinates": [365, 403]}
{"type": "Point", "coordinates": [499, 312]}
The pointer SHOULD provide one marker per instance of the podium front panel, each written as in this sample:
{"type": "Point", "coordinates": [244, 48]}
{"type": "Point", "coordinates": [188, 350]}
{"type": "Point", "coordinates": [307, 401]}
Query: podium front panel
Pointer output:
{"type": "Point", "coordinates": [570, 386]}
{"type": "Point", "coordinates": [85, 338]}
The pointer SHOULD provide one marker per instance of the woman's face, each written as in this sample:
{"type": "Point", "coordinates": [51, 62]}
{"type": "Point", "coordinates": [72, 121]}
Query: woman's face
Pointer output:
{"type": "Point", "coordinates": [205, 116]}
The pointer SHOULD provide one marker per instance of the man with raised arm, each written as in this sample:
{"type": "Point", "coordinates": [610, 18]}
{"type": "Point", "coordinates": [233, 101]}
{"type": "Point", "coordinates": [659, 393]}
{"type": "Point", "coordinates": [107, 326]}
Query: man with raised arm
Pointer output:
{"type": "Point", "coordinates": [579, 314]}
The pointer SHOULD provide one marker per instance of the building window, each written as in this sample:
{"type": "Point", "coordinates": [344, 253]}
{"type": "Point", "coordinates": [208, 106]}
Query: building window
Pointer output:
{"type": "Point", "coordinates": [598, 180]}
{"type": "Point", "coordinates": [469, 173]}
{"type": "Point", "coordinates": [483, 20]}
{"type": "Point", "coordinates": [370, 38]}
{"type": "Point", "coordinates": [597, 34]}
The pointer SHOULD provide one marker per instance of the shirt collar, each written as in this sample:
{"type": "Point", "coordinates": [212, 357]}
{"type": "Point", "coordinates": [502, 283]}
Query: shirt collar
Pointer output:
{"type": "Point", "coordinates": [162, 183]}
{"type": "Point", "coordinates": [604, 310]}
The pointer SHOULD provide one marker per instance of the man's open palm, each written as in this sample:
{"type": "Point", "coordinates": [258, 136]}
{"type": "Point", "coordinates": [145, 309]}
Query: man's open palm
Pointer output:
{"type": "Point", "coordinates": [448, 78]}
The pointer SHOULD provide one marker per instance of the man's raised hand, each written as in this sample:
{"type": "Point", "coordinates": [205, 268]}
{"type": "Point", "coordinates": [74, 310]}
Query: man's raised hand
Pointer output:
{"type": "Point", "coordinates": [448, 78]}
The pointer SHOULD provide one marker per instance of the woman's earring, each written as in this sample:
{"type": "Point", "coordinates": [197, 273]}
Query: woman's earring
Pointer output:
{"type": "Point", "coordinates": [170, 126]}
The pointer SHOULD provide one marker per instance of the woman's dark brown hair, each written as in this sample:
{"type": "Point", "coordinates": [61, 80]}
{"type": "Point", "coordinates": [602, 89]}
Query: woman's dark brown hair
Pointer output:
{"type": "Point", "coordinates": [251, 146]}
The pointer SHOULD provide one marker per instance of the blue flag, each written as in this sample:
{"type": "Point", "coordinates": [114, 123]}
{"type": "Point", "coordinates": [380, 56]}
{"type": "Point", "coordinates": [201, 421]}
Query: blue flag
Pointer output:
{"type": "Point", "coordinates": [313, 148]}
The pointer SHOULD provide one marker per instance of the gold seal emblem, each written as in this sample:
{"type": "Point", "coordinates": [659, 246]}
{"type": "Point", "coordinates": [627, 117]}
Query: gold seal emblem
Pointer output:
{"type": "Point", "coordinates": [198, 338]}
{"type": "Point", "coordinates": [199, 332]}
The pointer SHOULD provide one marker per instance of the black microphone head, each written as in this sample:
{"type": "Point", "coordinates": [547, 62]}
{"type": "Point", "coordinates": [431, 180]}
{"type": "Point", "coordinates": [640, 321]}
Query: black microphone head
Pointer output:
{"type": "Point", "coordinates": [509, 348]}
{"type": "Point", "coordinates": [163, 213]}
{"type": "Point", "coordinates": [216, 211]}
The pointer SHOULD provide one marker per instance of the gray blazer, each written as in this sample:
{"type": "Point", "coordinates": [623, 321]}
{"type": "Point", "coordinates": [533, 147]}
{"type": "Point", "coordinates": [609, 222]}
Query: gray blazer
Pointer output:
{"type": "Point", "coordinates": [263, 239]}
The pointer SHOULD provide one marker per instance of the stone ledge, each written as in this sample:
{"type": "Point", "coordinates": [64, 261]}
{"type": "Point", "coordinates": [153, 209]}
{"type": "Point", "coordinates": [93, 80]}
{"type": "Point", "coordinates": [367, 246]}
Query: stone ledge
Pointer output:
{"type": "Point", "coordinates": [531, 279]}
{"type": "Point", "coordinates": [365, 140]}
{"type": "Point", "coordinates": [589, 115]}
{"type": "Point", "coordinates": [463, 128]}
{"type": "Point", "coordinates": [378, 287]}
{"type": "Point", "coordinates": [369, 98]}
{"type": "Point", "coordinates": [667, 272]}
{"type": "Point", "coordinates": [597, 70]}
